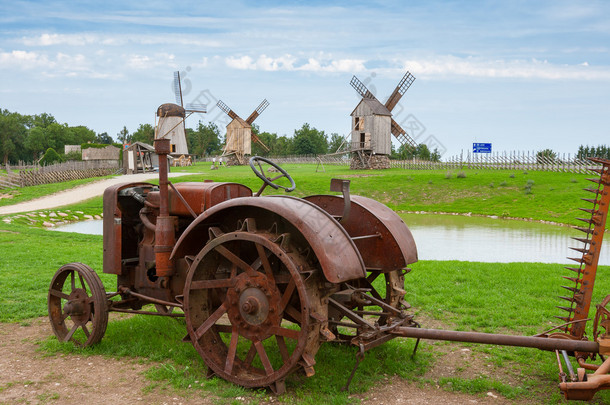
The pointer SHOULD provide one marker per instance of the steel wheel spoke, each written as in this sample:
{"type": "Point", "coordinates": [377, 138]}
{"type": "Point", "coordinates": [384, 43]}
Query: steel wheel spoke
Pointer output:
{"type": "Point", "coordinates": [235, 260]}
{"type": "Point", "coordinates": [372, 277]}
{"type": "Point", "coordinates": [232, 350]}
{"type": "Point", "coordinates": [293, 312]}
{"type": "Point", "coordinates": [69, 334]}
{"type": "Point", "coordinates": [265, 261]}
{"type": "Point", "coordinates": [250, 356]}
{"type": "Point", "coordinates": [281, 343]}
{"type": "Point", "coordinates": [59, 294]}
{"type": "Point", "coordinates": [86, 331]}
{"type": "Point", "coordinates": [72, 282]}
{"type": "Point", "coordinates": [289, 333]}
{"type": "Point", "coordinates": [210, 321]}
{"type": "Point", "coordinates": [262, 354]}
{"type": "Point", "coordinates": [82, 282]}
{"type": "Point", "coordinates": [287, 294]}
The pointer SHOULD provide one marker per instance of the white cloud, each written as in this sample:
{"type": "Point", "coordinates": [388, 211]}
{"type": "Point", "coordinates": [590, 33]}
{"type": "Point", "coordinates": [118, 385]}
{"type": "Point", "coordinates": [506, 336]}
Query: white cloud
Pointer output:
{"type": "Point", "coordinates": [141, 62]}
{"type": "Point", "coordinates": [290, 63]}
{"type": "Point", "coordinates": [47, 39]}
{"type": "Point", "coordinates": [84, 39]}
{"type": "Point", "coordinates": [438, 67]}
{"type": "Point", "coordinates": [23, 59]}
{"type": "Point", "coordinates": [56, 65]}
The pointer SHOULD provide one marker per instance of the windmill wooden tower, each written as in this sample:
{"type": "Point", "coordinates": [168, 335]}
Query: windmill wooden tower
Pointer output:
{"type": "Point", "coordinates": [373, 126]}
{"type": "Point", "coordinates": [170, 120]}
{"type": "Point", "coordinates": [239, 134]}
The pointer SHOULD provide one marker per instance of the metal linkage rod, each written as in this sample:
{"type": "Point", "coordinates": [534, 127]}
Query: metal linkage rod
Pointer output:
{"type": "Point", "coordinates": [501, 340]}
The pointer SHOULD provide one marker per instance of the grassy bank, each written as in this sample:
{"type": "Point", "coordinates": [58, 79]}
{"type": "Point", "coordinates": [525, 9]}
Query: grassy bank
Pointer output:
{"type": "Point", "coordinates": [505, 193]}
{"type": "Point", "coordinates": [514, 298]}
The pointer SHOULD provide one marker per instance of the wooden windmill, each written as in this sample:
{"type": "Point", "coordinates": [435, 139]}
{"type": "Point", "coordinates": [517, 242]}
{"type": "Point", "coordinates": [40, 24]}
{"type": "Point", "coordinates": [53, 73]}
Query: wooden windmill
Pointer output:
{"type": "Point", "coordinates": [372, 126]}
{"type": "Point", "coordinates": [239, 134]}
{"type": "Point", "coordinates": [171, 117]}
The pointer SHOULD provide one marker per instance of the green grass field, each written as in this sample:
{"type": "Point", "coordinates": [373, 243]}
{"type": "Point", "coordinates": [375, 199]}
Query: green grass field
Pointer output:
{"type": "Point", "coordinates": [505, 193]}
{"type": "Point", "coordinates": [514, 298]}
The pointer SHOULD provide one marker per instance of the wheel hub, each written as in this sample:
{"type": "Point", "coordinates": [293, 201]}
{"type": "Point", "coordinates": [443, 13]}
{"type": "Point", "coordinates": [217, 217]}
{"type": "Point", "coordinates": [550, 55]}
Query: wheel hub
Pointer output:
{"type": "Point", "coordinates": [254, 305]}
{"type": "Point", "coordinates": [77, 306]}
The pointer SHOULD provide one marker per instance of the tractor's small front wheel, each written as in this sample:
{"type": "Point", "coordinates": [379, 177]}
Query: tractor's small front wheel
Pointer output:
{"type": "Point", "coordinates": [78, 308]}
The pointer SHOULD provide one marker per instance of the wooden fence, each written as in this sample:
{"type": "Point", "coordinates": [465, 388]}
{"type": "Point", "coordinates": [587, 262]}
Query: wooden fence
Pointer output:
{"type": "Point", "coordinates": [524, 161]}
{"type": "Point", "coordinates": [23, 175]}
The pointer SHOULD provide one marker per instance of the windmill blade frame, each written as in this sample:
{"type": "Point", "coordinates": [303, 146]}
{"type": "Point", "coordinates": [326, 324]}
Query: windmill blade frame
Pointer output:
{"type": "Point", "coordinates": [361, 88]}
{"type": "Point", "coordinates": [401, 135]}
{"type": "Point", "coordinates": [226, 109]}
{"type": "Point", "coordinates": [402, 87]}
{"type": "Point", "coordinates": [195, 108]}
{"type": "Point", "coordinates": [178, 88]}
{"type": "Point", "coordinates": [258, 111]}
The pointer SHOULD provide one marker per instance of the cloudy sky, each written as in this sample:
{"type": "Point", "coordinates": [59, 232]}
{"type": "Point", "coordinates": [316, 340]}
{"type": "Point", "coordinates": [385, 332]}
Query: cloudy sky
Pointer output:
{"type": "Point", "coordinates": [522, 75]}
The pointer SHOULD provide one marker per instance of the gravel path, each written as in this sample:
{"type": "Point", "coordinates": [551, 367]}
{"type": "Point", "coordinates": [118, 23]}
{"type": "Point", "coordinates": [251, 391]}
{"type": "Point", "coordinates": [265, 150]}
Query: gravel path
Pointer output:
{"type": "Point", "coordinates": [77, 194]}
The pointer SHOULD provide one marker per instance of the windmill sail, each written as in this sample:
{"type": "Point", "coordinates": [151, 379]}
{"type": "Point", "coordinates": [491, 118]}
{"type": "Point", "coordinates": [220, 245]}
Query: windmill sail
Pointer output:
{"type": "Point", "coordinates": [361, 88]}
{"type": "Point", "coordinates": [259, 110]}
{"type": "Point", "coordinates": [178, 88]}
{"type": "Point", "coordinates": [226, 109]}
{"type": "Point", "coordinates": [400, 90]}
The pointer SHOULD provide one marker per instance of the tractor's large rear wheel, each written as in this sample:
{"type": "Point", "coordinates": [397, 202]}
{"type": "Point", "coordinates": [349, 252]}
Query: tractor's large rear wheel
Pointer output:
{"type": "Point", "coordinates": [248, 302]}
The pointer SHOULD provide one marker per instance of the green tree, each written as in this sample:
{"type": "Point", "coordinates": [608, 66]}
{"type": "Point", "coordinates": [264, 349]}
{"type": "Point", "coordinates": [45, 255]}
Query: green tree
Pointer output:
{"type": "Point", "coordinates": [145, 133]}
{"type": "Point", "coordinates": [421, 151]}
{"type": "Point", "coordinates": [283, 146]}
{"type": "Point", "coordinates": [12, 136]}
{"type": "Point", "coordinates": [59, 135]}
{"type": "Point", "coordinates": [104, 138]}
{"type": "Point", "coordinates": [336, 141]}
{"type": "Point", "coordinates": [308, 140]}
{"type": "Point", "coordinates": [545, 155]}
{"type": "Point", "coordinates": [124, 136]}
{"type": "Point", "coordinates": [50, 157]}
{"type": "Point", "coordinates": [43, 120]}
{"type": "Point", "coordinates": [36, 141]}
{"type": "Point", "coordinates": [81, 134]}
{"type": "Point", "coordinates": [205, 140]}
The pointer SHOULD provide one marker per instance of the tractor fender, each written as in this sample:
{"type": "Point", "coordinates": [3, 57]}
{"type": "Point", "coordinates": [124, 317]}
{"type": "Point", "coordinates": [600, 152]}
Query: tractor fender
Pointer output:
{"type": "Point", "coordinates": [338, 255]}
{"type": "Point", "coordinates": [383, 239]}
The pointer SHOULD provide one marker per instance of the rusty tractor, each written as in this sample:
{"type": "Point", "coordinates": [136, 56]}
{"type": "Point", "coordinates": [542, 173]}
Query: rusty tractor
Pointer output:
{"type": "Point", "coordinates": [262, 281]}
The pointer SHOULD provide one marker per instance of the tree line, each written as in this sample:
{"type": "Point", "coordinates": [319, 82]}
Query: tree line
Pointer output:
{"type": "Point", "coordinates": [30, 137]}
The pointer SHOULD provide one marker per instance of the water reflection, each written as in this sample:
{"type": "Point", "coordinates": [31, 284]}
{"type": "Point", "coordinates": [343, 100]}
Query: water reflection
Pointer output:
{"type": "Point", "coordinates": [94, 227]}
{"type": "Point", "coordinates": [449, 237]}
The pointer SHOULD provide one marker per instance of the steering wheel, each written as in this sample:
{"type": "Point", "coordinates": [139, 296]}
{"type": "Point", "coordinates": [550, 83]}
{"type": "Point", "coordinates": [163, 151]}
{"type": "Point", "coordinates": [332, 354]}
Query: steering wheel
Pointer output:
{"type": "Point", "coordinates": [256, 160]}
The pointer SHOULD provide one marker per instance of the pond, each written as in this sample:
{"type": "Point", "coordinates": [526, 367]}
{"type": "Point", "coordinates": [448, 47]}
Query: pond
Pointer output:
{"type": "Point", "coordinates": [483, 239]}
{"type": "Point", "coordinates": [454, 237]}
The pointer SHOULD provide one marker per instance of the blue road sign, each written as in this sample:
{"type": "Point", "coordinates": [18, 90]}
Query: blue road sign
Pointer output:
{"type": "Point", "coordinates": [481, 148]}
